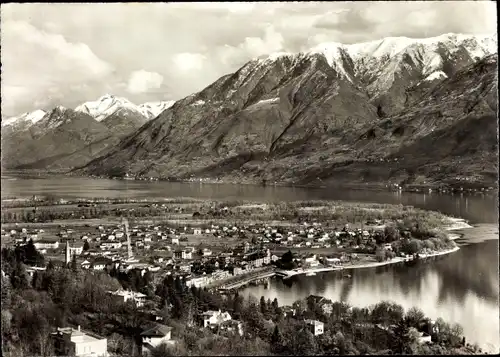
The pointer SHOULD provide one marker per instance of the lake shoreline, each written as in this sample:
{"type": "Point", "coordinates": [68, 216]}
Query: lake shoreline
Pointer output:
{"type": "Point", "coordinates": [438, 187]}
{"type": "Point", "coordinates": [457, 223]}
{"type": "Point", "coordinates": [289, 273]}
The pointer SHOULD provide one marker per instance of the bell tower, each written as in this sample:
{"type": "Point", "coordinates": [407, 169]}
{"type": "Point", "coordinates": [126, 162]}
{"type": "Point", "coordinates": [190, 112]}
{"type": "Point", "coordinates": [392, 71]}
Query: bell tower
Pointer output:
{"type": "Point", "coordinates": [68, 255]}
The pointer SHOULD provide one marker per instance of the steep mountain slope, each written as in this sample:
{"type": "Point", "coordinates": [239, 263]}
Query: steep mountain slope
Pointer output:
{"type": "Point", "coordinates": [389, 66]}
{"type": "Point", "coordinates": [123, 122]}
{"type": "Point", "coordinates": [449, 130]}
{"type": "Point", "coordinates": [394, 109]}
{"type": "Point", "coordinates": [327, 114]}
{"type": "Point", "coordinates": [152, 109]}
{"type": "Point", "coordinates": [269, 107]}
{"type": "Point", "coordinates": [62, 139]}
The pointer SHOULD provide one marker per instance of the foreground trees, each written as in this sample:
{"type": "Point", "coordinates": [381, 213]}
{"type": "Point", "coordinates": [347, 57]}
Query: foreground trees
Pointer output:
{"type": "Point", "coordinates": [61, 296]}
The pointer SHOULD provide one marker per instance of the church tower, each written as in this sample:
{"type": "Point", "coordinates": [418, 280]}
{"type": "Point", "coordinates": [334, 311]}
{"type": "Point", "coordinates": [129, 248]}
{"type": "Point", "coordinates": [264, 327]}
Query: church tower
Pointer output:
{"type": "Point", "coordinates": [68, 255]}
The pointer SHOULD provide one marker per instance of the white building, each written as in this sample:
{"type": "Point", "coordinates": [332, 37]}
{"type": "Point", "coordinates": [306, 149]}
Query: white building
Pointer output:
{"type": "Point", "coordinates": [75, 250]}
{"type": "Point", "coordinates": [155, 336]}
{"type": "Point", "coordinates": [310, 259]}
{"type": "Point", "coordinates": [46, 244]}
{"type": "Point", "coordinates": [32, 270]}
{"type": "Point", "coordinates": [332, 261]}
{"type": "Point", "coordinates": [111, 245]}
{"type": "Point", "coordinates": [317, 327]}
{"type": "Point", "coordinates": [69, 341]}
{"type": "Point", "coordinates": [198, 282]}
{"type": "Point", "coordinates": [123, 296]}
{"type": "Point", "coordinates": [85, 264]}
{"type": "Point", "coordinates": [215, 318]}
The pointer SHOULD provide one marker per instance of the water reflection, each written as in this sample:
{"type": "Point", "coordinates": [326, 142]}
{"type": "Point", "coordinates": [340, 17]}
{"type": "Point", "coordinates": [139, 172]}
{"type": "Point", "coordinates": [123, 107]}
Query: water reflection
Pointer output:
{"type": "Point", "coordinates": [461, 287]}
{"type": "Point", "coordinates": [474, 207]}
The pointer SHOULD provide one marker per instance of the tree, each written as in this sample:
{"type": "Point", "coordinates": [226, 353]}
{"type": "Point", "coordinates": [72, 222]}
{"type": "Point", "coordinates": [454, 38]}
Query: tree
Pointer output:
{"type": "Point", "coordinates": [237, 305]}
{"type": "Point", "coordinates": [6, 293]}
{"type": "Point", "coordinates": [401, 337]}
{"type": "Point", "coordinates": [74, 264]}
{"type": "Point", "coordinates": [263, 306]}
{"type": "Point", "coordinates": [380, 255]}
{"type": "Point", "coordinates": [305, 344]}
{"type": "Point", "coordinates": [86, 246]}
{"type": "Point", "coordinates": [276, 341]}
{"type": "Point", "coordinates": [19, 278]}
{"type": "Point", "coordinates": [414, 317]}
{"type": "Point", "coordinates": [391, 234]}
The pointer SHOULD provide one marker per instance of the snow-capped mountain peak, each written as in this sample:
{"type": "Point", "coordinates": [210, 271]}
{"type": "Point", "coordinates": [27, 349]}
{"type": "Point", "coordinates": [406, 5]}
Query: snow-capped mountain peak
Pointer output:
{"type": "Point", "coordinates": [26, 119]}
{"type": "Point", "coordinates": [391, 46]}
{"type": "Point", "coordinates": [109, 104]}
{"type": "Point", "coordinates": [105, 106]}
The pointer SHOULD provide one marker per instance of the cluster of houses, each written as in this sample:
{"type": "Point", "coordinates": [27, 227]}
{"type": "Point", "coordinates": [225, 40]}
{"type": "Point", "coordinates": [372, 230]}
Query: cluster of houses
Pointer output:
{"type": "Point", "coordinates": [107, 248]}
{"type": "Point", "coordinates": [74, 341]}
{"type": "Point", "coordinates": [71, 341]}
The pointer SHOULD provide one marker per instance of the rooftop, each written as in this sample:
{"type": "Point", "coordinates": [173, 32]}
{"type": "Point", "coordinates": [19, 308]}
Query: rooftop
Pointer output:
{"type": "Point", "coordinates": [85, 335]}
{"type": "Point", "coordinates": [127, 293]}
{"type": "Point", "coordinates": [158, 330]}
{"type": "Point", "coordinates": [314, 322]}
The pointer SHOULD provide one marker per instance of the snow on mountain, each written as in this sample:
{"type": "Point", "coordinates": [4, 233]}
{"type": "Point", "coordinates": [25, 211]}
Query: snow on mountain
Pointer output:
{"type": "Point", "coordinates": [25, 120]}
{"type": "Point", "coordinates": [391, 47]}
{"type": "Point", "coordinates": [388, 56]}
{"type": "Point", "coordinates": [153, 109]}
{"type": "Point", "coordinates": [105, 106]}
{"type": "Point", "coordinates": [57, 117]}
{"type": "Point", "coordinates": [336, 56]}
{"type": "Point", "coordinates": [436, 75]}
{"type": "Point", "coordinates": [109, 104]}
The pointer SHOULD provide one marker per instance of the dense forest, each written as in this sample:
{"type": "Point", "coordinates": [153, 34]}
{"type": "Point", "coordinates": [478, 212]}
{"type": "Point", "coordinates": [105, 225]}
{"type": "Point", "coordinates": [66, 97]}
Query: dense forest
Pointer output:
{"type": "Point", "coordinates": [65, 295]}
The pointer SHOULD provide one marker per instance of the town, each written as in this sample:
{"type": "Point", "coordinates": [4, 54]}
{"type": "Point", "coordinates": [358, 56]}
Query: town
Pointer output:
{"type": "Point", "coordinates": [198, 253]}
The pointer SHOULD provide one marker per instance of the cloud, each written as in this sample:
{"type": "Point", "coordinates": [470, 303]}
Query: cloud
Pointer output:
{"type": "Point", "coordinates": [142, 81]}
{"type": "Point", "coordinates": [271, 42]}
{"type": "Point", "coordinates": [251, 47]}
{"type": "Point", "coordinates": [77, 52]}
{"type": "Point", "coordinates": [188, 62]}
{"type": "Point", "coordinates": [36, 64]}
{"type": "Point", "coordinates": [232, 7]}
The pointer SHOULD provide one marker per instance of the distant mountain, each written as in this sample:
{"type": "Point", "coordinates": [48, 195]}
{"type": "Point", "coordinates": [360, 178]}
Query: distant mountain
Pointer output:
{"type": "Point", "coordinates": [395, 110]}
{"type": "Point", "coordinates": [336, 112]}
{"type": "Point", "coordinates": [110, 104]}
{"type": "Point", "coordinates": [112, 117]}
{"type": "Point", "coordinates": [120, 115]}
{"type": "Point", "coordinates": [23, 121]}
{"type": "Point", "coordinates": [61, 139]}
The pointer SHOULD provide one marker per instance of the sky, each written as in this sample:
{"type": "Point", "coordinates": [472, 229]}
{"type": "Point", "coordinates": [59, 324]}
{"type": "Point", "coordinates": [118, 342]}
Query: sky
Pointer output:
{"type": "Point", "coordinates": [67, 54]}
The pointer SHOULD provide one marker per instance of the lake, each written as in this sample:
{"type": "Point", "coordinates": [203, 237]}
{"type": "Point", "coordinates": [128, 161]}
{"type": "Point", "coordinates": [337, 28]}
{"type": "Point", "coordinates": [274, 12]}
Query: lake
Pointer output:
{"type": "Point", "coordinates": [462, 287]}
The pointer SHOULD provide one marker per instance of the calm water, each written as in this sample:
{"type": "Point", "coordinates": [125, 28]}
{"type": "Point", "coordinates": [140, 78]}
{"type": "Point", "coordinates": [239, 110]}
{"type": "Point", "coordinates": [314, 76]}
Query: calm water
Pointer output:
{"type": "Point", "coordinates": [462, 287]}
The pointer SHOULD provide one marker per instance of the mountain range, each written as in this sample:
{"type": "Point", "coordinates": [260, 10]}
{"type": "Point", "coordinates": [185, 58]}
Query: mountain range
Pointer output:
{"type": "Point", "coordinates": [62, 138]}
{"type": "Point", "coordinates": [395, 110]}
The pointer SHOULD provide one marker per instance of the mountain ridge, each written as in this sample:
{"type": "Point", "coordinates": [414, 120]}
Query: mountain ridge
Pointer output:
{"type": "Point", "coordinates": [318, 114]}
